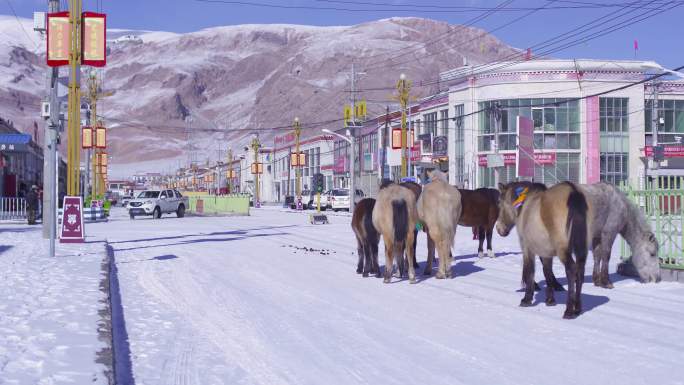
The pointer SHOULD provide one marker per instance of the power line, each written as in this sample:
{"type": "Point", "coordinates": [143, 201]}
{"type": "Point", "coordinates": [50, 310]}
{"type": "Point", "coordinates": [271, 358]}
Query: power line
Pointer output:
{"type": "Point", "coordinates": [9, 4]}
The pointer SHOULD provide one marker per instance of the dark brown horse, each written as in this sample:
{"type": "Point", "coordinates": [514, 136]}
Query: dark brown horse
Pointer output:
{"type": "Point", "coordinates": [367, 237]}
{"type": "Point", "coordinates": [480, 209]}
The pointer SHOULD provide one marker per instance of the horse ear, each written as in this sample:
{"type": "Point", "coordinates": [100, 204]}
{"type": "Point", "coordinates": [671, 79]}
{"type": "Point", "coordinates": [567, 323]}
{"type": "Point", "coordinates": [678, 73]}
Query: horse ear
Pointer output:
{"type": "Point", "coordinates": [502, 188]}
{"type": "Point", "coordinates": [651, 237]}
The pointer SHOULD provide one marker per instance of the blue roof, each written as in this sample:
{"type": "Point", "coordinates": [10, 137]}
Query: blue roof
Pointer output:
{"type": "Point", "coordinates": [15, 138]}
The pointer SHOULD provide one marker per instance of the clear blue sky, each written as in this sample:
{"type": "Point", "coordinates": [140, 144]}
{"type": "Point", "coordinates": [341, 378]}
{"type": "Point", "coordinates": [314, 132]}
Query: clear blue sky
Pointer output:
{"type": "Point", "coordinates": [659, 38]}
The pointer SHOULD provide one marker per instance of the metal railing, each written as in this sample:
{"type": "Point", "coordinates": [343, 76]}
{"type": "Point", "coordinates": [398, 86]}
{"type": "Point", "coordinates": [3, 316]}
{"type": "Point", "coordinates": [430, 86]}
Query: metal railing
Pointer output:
{"type": "Point", "coordinates": [12, 208]}
{"type": "Point", "coordinates": [661, 203]}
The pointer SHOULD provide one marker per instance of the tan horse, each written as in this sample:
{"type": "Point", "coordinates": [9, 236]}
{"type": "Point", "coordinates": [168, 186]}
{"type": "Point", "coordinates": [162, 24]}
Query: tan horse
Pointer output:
{"type": "Point", "coordinates": [395, 217]}
{"type": "Point", "coordinates": [553, 222]}
{"type": "Point", "coordinates": [439, 207]}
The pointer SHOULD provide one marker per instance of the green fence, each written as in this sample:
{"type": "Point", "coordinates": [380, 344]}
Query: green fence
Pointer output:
{"type": "Point", "coordinates": [236, 204]}
{"type": "Point", "coordinates": [661, 202]}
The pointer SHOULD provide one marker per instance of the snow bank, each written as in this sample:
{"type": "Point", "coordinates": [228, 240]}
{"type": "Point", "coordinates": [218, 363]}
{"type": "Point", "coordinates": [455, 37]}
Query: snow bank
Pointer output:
{"type": "Point", "coordinates": [49, 310]}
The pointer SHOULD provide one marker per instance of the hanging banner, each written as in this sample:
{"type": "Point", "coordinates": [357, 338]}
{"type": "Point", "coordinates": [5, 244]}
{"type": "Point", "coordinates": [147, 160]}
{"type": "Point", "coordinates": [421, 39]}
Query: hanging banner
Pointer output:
{"type": "Point", "coordinates": [525, 147]}
{"type": "Point", "coordinates": [72, 221]}
{"type": "Point", "coordinates": [58, 39]}
{"type": "Point", "coordinates": [94, 39]}
{"type": "Point", "coordinates": [593, 139]}
{"type": "Point", "coordinates": [87, 137]}
{"type": "Point", "coordinates": [100, 137]}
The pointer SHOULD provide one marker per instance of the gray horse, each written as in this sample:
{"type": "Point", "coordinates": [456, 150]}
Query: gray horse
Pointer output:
{"type": "Point", "coordinates": [614, 214]}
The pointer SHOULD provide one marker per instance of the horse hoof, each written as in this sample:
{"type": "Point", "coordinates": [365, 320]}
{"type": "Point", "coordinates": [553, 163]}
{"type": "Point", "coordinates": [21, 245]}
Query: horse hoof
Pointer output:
{"type": "Point", "coordinates": [386, 280]}
{"type": "Point", "coordinates": [440, 275]}
{"type": "Point", "coordinates": [536, 287]}
{"type": "Point", "coordinates": [607, 285]}
{"type": "Point", "coordinates": [358, 271]}
{"type": "Point", "coordinates": [365, 274]}
{"type": "Point", "coordinates": [491, 254]}
{"type": "Point", "coordinates": [480, 254]}
{"type": "Point", "coordinates": [525, 303]}
{"type": "Point", "coordinates": [412, 280]}
{"type": "Point", "coordinates": [550, 302]}
{"type": "Point", "coordinates": [569, 314]}
{"type": "Point", "coordinates": [427, 272]}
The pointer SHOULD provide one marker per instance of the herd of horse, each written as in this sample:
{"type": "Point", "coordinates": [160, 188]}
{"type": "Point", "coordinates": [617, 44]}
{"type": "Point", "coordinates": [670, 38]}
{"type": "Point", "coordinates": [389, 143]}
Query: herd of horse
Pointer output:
{"type": "Point", "coordinates": [566, 220]}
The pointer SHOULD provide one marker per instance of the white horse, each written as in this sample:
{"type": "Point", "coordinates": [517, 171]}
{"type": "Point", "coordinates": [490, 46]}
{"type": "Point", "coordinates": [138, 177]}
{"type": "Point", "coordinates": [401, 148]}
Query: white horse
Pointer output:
{"type": "Point", "coordinates": [439, 207]}
{"type": "Point", "coordinates": [614, 214]}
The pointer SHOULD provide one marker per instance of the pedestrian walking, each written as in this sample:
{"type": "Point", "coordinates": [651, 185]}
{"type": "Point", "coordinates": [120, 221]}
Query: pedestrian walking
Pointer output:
{"type": "Point", "coordinates": [32, 204]}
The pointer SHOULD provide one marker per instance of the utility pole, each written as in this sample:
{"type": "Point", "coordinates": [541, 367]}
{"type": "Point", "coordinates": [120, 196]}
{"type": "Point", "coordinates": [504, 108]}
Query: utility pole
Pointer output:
{"type": "Point", "coordinates": [94, 94]}
{"type": "Point", "coordinates": [298, 170]}
{"type": "Point", "coordinates": [255, 147]}
{"type": "Point", "coordinates": [403, 88]}
{"type": "Point", "coordinates": [229, 174]}
{"type": "Point", "coordinates": [656, 123]}
{"type": "Point", "coordinates": [384, 146]}
{"type": "Point", "coordinates": [74, 122]}
{"type": "Point", "coordinates": [352, 130]}
{"type": "Point", "coordinates": [50, 153]}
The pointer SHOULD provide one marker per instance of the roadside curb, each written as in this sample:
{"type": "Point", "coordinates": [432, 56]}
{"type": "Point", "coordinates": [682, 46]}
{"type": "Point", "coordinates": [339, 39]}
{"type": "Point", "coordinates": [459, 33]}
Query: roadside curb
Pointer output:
{"type": "Point", "coordinates": [121, 351]}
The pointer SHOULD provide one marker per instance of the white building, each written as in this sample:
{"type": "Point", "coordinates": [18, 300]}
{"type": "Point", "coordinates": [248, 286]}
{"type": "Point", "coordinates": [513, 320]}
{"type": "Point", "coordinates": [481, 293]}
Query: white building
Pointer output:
{"type": "Point", "coordinates": [596, 138]}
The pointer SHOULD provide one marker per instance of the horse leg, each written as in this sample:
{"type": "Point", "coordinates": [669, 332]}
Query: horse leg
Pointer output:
{"type": "Point", "coordinates": [359, 248]}
{"type": "Point", "coordinates": [415, 244]}
{"type": "Point", "coordinates": [597, 251]}
{"type": "Point", "coordinates": [375, 266]}
{"type": "Point", "coordinates": [571, 273]}
{"type": "Point", "coordinates": [431, 254]}
{"type": "Point", "coordinates": [367, 264]}
{"type": "Point", "coordinates": [581, 261]}
{"type": "Point", "coordinates": [480, 240]}
{"type": "Point", "coordinates": [411, 251]}
{"type": "Point", "coordinates": [389, 261]}
{"type": "Point", "coordinates": [443, 252]}
{"type": "Point", "coordinates": [550, 277]}
{"type": "Point", "coordinates": [606, 246]}
{"type": "Point", "coordinates": [528, 277]}
{"type": "Point", "coordinates": [547, 264]}
{"type": "Point", "coordinates": [490, 230]}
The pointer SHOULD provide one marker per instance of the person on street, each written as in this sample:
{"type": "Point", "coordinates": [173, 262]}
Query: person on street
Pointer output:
{"type": "Point", "coordinates": [32, 204]}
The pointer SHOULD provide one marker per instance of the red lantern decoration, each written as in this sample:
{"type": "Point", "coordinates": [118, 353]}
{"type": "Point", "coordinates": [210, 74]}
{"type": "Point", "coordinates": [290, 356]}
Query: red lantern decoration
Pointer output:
{"type": "Point", "coordinates": [87, 137]}
{"type": "Point", "coordinates": [298, 161]}
{"type": "Point", "coordinates": [100, 137]}
{"type": "Point", "coordinates": [94, 39]}
{"type": "Point", "coordinates": [58, 39]}
{"type": "Point", "coordinates": [257, 168]}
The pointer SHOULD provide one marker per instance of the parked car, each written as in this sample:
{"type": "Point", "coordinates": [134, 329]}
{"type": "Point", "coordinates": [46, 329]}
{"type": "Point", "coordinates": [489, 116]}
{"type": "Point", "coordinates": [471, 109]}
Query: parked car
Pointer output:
{"type": "Point", "coordinates": [339, 198]}
{"type": "Point", "coordinates": [312, 200]}
{"type": "Point", "coordinates": [126, 199]}
{"type": "Point", "coordinates": [158, 202]}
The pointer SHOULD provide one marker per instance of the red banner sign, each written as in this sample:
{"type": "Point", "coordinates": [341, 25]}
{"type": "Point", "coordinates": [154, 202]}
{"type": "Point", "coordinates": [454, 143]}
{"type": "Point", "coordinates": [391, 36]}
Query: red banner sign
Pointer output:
{"type": "Point", "coordinates": [510, 159]}
{"type": "Point", "coordinates": [670, 151]}
{"type": "Point", "coordinates": [58, 39]}
{"type": "Point", "coordinates": [94, 39]}
{"type": "Point", "coordinates": [72, 221]}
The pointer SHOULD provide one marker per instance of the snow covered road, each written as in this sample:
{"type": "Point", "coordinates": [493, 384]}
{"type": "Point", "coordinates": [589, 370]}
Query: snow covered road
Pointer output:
{"type": "Point", "coordinates": [271, 299]}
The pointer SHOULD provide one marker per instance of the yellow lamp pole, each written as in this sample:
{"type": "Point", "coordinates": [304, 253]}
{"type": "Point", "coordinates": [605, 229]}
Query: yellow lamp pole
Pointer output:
{"type": "Point", "coordinates": [229, 174]}
{"type": "Point", "coordinates": [255, 147]}
{"type": "Point", "coordinates": [403, 89]}
{"type": "Point", "coordinates": [74, 110]}
{"type": "Point", "coordinates": [298, 171]}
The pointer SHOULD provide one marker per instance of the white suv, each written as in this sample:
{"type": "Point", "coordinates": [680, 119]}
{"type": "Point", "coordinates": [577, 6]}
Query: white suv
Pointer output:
{"type": "Point", "coordinates": [158, 202]}
{"type": "Point", "coordinates": [338, 199]}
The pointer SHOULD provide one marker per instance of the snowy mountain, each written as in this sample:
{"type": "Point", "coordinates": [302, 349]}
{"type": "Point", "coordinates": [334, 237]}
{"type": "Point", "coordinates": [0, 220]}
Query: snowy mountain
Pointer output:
{"type": "Point", "coordinates": [215, 85]}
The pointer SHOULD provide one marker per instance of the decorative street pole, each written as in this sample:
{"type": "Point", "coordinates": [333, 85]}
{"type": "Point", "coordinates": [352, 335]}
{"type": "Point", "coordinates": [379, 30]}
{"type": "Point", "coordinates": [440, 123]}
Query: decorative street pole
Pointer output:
{"type": "Point", "coordinates": [403, 89]}
{"type": "Point", "coordinates": [298, 172]}
{"type": "Point", "coordinates": [74, 118]}
{"type": "Point", "coordinates": [255, 170]}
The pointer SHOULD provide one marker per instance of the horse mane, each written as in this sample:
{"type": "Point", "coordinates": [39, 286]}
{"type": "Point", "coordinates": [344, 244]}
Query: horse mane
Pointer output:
{"type": "Point", "coordinates": [437, 175]}
{"type": "Point", "coordinates": [636, 222]}
{"type": "Point", "coordinates": [385, 183]}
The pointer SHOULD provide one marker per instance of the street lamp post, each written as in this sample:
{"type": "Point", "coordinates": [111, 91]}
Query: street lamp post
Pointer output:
{"type": "Point", "coordinates": [349, 138]}
{"type": "Point", "coordinates": [255, 147]}
{"type": "Point", "coordinates": [403, 88]}
{"type": "Point", "coordinates": [298, 170]}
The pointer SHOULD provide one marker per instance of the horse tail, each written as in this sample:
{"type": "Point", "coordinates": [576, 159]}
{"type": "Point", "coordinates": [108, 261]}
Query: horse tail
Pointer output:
{"type": "Point", "coordinates": [400, 219]}
{"type": "Point", "coordinates": [577, 224]}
